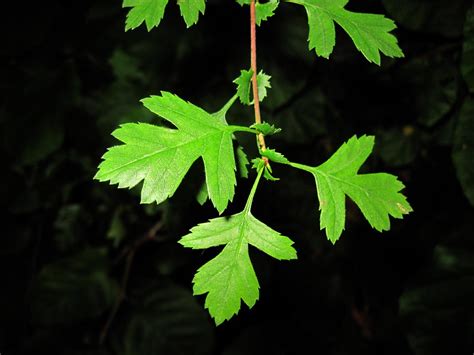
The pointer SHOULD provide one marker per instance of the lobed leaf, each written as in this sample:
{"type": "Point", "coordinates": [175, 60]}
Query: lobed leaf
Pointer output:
{"type": "Point", "coordinates": [369, 32]}
{"type": "Point", "coordinates": [264, 11]}
{"type": "Point", "coordinates": [377, 195]}
{"type": "Point", "coordinates": [229, 277]}
{"type": "Point", "coordinates": [266, 128]}
{"type": "Point", "coordinates": [244, 86]}
{"type": "Point", "coordinates": [151, 12]}
{"type": "Point", "coordinates": [161, 157]}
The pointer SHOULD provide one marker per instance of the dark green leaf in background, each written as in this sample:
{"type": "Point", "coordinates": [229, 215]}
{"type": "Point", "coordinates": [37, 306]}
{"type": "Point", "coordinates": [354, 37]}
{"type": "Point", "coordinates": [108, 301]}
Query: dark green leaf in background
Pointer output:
{"type": "Point", "coordinates": [463, 150]}
{"type": "Point", "coordinates": [467, 61]}
{"type": "Point", "coordinates": [166, 319]}
{"type": "Point", "coordinates": [436, 308]}
{"type": "Point", "coordinates": [437, 79]}
{"type": "Point", "coordinates": [73, 289]}
{"type": "Point", "coordinates": [431, 16]}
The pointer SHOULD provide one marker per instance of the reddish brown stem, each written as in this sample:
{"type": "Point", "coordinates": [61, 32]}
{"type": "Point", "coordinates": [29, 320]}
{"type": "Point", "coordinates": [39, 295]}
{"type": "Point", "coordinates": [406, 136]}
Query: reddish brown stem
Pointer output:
{"type": "Point", "coordinates": [253, 66]}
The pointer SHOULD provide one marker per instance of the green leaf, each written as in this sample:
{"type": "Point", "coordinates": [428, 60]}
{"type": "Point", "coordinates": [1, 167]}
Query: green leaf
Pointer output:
{"type": "Point", "coordinates": [229, 277]}
{"type": "Point", "coordinates": [149, 11]}
{"type": "Point", "coordinates": [463, 150]}
{"type": "Point", "coordinates": [202, 194]}
{"type": "Point", "coordinates": [264, 11]}
{"type": "Point", "coordinates": [467, 60]}
{"type": "Point", "coordinates": [369, 32]}
{"type": "Point", "coordinates": [242, 162]}
{"type": "Point", "coordinates": [243, 2]}
{"type": "Point", "coordinates": [273, 155]}
{"type": "Point", "coordinates": [263, 83]}
{"type": "Point", "coordinates": [377, 195]}
{"type": "Point", "coordinates": [162, 156]}
{"type": "Point", "coordinates": [190, 10]}
{"type": "Point", "coordinates": [244, 86]}
{"type": "Point", "coordinates": [266, 129]}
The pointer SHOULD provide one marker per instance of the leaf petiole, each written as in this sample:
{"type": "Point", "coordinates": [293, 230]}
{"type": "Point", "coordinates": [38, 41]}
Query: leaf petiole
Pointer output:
{"type": "Point", "coordinates": [248, 204]}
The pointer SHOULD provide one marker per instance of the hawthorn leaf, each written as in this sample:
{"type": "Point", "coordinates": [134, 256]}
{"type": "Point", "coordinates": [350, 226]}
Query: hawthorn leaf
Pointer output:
{"type": "Point", "coordinates": [230, 277]}
{"type": "Point", "coordinates": [243, 2]}
{"type": "Point", "coordinates": [377, 195]}
{"type": "Point", "coordinates": [149, 11]}
{"type": "Point", "coordinates": [369, 32]}
{"type": "Point", "coordinates": [263, 82]}
{"type": "Point", "coordinates": [244, 85]}
{"type": "Point", "coordinates": [259, 163]}
{"type": "Point", "coordinates": [190, 10]}
{"type": "Point", "coordinates": [161, 157]}
{"type": "Point", "coordinates": [266, 128]}
{"type": "Point", "coordinates": [273, 155]}
{"type": "Point", "coordinates": [264, 11]}
{"type": "Point", "coordinates": [242, 162]}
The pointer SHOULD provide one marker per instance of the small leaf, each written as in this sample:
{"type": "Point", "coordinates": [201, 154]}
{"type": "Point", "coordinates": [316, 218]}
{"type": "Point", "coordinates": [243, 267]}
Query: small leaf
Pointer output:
{"type": "Point", "coordinates": [273, 155]}
{"type": "Point", "coordinates": [266, 129]}
{"type": "Point", "coordinates": [242, 162]}
{"type": "Point", "coordinates": [263, 82]}
{"type": "Point", "coordinates": [267, 174]}
{"type": "Point", "coordinates": [369, 32]}
{"type": "Point", "coordinates": [230, 277]}
{"type": "Point", "coordinates": [244, 86]}
{"type": "Point", "coordinates": [264, 11]}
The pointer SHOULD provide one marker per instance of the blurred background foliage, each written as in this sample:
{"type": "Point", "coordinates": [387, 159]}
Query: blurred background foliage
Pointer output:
{"type": "Point", "coordinates": [87, 270]}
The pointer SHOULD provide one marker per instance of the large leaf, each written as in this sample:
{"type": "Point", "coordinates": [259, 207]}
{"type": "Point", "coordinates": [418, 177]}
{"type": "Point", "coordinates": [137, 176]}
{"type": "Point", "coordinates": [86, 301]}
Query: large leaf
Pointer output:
{"type": "Point", "coordinates": [166, 319]}
{"type": "Point", "coordinates": [437, 79]}
{"type": "Point", "coordinates": [429, 16]}
{"type": "Point", "coordinates": [229, 277]}
{"type": "Point", "coordinates": [436, 306]}
{"type": "Point", "coordinates": [161, 156]}
{"type": "Point", "coordinates": [369, 32]}
{"type": "Point", "coordinates": [73, 289]}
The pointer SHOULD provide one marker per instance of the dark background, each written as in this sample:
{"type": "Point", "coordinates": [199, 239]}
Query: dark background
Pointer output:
{"type": "Point", "coordinates": [70, 75]}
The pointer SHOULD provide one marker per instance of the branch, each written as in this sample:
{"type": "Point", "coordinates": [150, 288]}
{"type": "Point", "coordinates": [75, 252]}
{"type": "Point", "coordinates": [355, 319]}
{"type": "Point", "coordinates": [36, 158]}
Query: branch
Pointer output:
{"type": "Point", "coordinates": [253, 66]}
